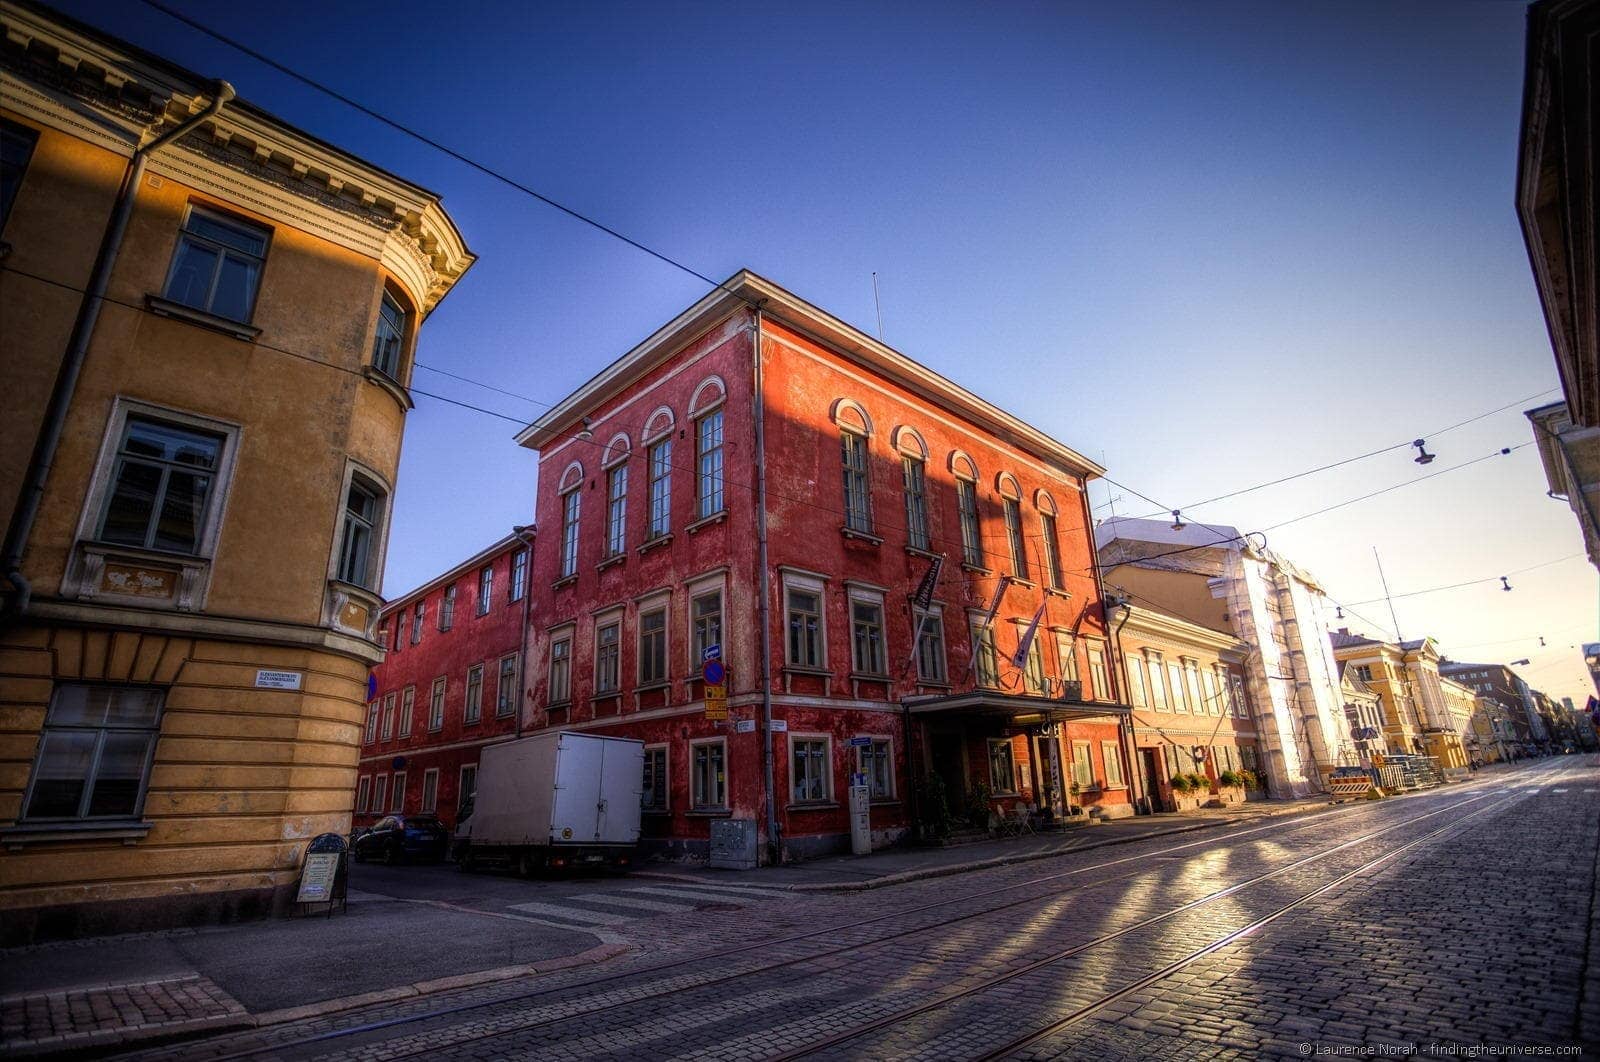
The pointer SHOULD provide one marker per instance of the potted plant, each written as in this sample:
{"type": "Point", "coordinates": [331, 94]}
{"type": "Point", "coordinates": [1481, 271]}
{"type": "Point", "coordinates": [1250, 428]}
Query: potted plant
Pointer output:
{"type": "Point", "coordinates": [1073, 806]}
{"type": "Point", "coordinates": [978, 805]}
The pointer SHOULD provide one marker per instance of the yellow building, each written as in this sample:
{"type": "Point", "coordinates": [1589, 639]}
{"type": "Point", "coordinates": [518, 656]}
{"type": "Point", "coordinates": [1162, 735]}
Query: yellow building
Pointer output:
{"type": "Point", "coordinates": [1417, 719]}
{"type": "Point", "coordinates": [209, 319]}
{"type": "Point", "coordinates": [1461, 707]}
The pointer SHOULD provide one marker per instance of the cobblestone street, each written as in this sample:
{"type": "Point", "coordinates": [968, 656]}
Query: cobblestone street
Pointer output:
{"type": "Point", "coordinates": [1461, 918]}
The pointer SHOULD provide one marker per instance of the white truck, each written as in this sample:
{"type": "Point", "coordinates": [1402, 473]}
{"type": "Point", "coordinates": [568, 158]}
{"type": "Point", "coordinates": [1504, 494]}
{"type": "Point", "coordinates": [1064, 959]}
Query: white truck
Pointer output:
{"type": "Point", "coordinates": [556, 799]}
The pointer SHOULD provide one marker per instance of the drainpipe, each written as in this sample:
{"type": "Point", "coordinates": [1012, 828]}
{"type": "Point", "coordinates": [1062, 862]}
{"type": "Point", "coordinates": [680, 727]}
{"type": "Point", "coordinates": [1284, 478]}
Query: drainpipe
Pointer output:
{"type": "Point", "coordinates": [774, 837]}
{"type": "Point", "coordinates": [66, 385]}
{"type": "Point", "coordinates": [524, 533]}
{"type": "Point", "coordinates": [1125, 728]}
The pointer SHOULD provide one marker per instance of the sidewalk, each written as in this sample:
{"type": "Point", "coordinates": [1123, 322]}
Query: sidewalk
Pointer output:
{"type": "Point", "coordinates": [108, 992]}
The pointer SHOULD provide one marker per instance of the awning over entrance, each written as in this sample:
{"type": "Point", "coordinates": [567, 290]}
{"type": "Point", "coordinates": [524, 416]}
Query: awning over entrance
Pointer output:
{"type": "Point", "coordinates": [1017, 709]}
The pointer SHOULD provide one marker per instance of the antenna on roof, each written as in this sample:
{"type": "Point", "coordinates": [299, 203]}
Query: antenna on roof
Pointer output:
{"type": "Point", "coordinates": [877, 303]}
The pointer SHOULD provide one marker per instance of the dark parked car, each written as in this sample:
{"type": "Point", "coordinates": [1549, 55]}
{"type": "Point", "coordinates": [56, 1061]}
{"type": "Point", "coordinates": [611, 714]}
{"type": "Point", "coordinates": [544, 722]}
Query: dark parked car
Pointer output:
{"type": "Point", "coordinates": [400, 837]}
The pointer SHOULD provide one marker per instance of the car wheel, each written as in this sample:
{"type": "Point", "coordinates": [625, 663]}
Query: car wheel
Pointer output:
{"type": "Point", "coordinates": [358, 855]}
{"type": "Point", "coordinates": [391, 856]}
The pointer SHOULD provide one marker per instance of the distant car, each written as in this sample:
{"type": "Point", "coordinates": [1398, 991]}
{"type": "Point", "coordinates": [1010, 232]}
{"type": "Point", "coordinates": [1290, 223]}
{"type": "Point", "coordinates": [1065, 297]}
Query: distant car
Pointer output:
{"type": "Point", "coordinates": [398, 838]}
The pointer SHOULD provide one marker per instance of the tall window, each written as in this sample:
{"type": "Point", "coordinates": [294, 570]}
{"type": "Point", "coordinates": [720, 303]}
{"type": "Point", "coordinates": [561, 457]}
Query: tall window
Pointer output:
{"type": "Point", "coordinates": [561, 670]}
{"type": "Point", "coordinates": [94, 753]}
{"type": "Point", "coordinates": [474, 708]}
{"type": "Point", "coordinates": [1033, 669]}
{"type": "Point", "coordinates": [16, 148]}
{"type": "Point", "coordinates": [971, 536]}
{"type": "Point", "coordinates": [616, 510]}
{"type": "Point", "coordinates": [430, 791]}
{"type": "Point", "coordinates": [469, 784]}
{"type": "Point", "coordinates": [1067, 655]}
{"type": "Point", "coordinates": [380, 790]}
{"type": "Point", "coordinates": [416, 622]}
{"type": "Point", "coordinates": [447, 608]}
{"type": "Point", "coordinates": [505, 701]}
{"type": "Point", "coordinates": [1052, 551]}
{"type": "Point", "coordinates": [1002, 773]}
{"type": "Point", "coordinates": [985, 663]}
{"type": "Point", "coordinates": [1178, 689]}
{"type": "Point", "coordinates": [1111, 756]}
{"type": "Point", "coordinates": [1136, 682]}
{"type": "Point", "coordinates": [809, 777]}
{"type": "Point", "coordinates": [388, 718]}
{"type": "Point", "coordinates": [402, 623]}
{"type": "Point", "coordinates": [876, 761]}
{"type": "Point", "coordinates": [519, 574]}
{"type": "Point", "coordinates": [911, 471]}
{"type": "Point", "coordinates": [217, 266]}
{"type": "Point", "coordinates": [1099, 671]}
{"type": "Point", "coordinates": [857, 506]}
{"type": "Point", "coordinates": [707, 612]}
{"type": "Point", "coordinates": [569, 532]}
{"type": "Point", "coordinates": [653, 795]}
{"type": "Point", "coordinates": [363, 794]}
{"type": "Point", "coordinates": [1019, 551]}
{"type": "Point", "coordinates": [363, 509]}
{"type": "Point", "coordinates": [805, 628]}
{"type": "Point", "coordinates": [708, 459]}
{"type": "Point", "coordinates": [1082, 765]}
{"type": "Point", "coordinates": [373, 711]}
{"type": "Point", "coordinates": [930, 649]}
{"type": "Point", "coordinates": [485, 588]}
{"type": "Point", "coordinates": [162, 486]}
{"type": "Point", "coordinates": [391, 334]}
{"type": "Point", "coordinates": [436, 705]}
{"type": "Point", "coordinates": [660, 460]}
{"type": "Point", "coordinates": [607, 658]}
{"type": "Point", "coordinates": [398, 796]}
{"type": "Point", "coordinates": [708, 784]}
{"type": "Point", "coordinates": [1158, 685]}
{"type": "Point", "coordinates": [866, 631]}
{"type": "Point", "coordinates": [653, 647]}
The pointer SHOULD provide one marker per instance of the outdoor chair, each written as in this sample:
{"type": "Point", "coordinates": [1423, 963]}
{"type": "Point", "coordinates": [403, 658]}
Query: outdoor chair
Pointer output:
{"type": "Point", "coordinates": [1001, 826]}
{"type": "Point", "coordinates": [1021, 820]}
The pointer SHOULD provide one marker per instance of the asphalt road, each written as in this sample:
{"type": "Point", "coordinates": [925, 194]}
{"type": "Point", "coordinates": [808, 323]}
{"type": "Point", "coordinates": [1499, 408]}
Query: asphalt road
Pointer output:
{"type": "Point", "coordinates": [1438, 924]}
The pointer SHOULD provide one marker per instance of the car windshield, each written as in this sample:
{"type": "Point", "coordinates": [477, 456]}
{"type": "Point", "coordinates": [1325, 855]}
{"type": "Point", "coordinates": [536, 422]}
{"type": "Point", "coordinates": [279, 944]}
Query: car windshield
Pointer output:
{"type": "Point", "coordinates": [419, 823]}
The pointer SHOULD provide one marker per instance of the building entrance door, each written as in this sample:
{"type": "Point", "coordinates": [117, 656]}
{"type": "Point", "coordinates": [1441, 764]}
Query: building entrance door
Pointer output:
{"type": "Point", "coordinates": [1152, 778]}
{"type": "Point", "coordinates": [945, 751]}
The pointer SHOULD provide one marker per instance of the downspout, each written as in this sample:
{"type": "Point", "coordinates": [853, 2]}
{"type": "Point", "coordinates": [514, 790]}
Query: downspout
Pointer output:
{"type": "Point", "coordinates": [524, 533]}
{"type": "Point", "coordinates": [774, 838]}
{"type": "Point", "coordinates": [55, 417]}
{"type": "Point", "coordinates": [1135, 778]}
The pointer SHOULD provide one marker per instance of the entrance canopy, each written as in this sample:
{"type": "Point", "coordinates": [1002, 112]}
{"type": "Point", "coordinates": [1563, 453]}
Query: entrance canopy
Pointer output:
{"type": "Point", "coordinates": [1016, 709]}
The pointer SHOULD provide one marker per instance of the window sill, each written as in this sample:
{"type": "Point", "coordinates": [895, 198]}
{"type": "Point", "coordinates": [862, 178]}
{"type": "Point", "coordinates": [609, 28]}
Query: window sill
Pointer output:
{"type": "Point", "coordinates": [611, 562]}
{"type": "Point", "coordinates": [1056, 592]}
{"type": "Point", "coordinates": [647, 687]}
{"type": "Point", "coordinates": [976, 569]}
{"type": "Point", "coordinates": [813, 805]}
{"type": "Point", "coordinates": [389, 385]}
{"type": "Point", "coordinates": [608, 695]}
{"type": "Point", "coordinates": [862, 676]}
{"type": "Point", "coordinates": [796, 669]}
{"type": "Point", "coordinates": [915, 551]}
{"type": "Point", "coordinates": [14, 837]}
{"type": "Point", "coordinates": [706, 521]}
{"type": "Point", "coordinates": [655, 543]}
{"type": "Point", "coordinates": [568, 581]}
{"type": "Point", "coordinates": [925, 684]}
{"type": "Point", "coordinates": [864, 536]}
{"type": "Point", "coordinates": [1017, 580]}
{"type": "Point", "coordinates": [179, 312]}
{"type": "Point", "coordinates": [709, 813]}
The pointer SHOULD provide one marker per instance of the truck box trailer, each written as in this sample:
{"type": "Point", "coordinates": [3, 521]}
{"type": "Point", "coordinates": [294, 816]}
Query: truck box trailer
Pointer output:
{"type": "Point", "coordinates": [555, 799]}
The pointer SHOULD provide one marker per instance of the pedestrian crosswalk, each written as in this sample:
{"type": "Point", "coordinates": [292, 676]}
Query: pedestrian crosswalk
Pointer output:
{"type": "Point", "coordinates": [610, 907]}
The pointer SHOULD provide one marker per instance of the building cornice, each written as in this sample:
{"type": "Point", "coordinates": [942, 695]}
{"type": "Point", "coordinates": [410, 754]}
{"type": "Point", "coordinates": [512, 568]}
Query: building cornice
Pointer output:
{"type": "Point", "coordinates": [406, 600]}
{"type": "Point", "coordinates": [1172, 629]}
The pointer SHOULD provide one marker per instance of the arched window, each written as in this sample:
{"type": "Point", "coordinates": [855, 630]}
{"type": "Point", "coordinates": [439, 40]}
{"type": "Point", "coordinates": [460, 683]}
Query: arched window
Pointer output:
{"type": "Point", "coordinates": [706, 409]}
{"type": "Point", "coordinates": [616, 450]}
{"type": "Point", "coordinates": [1047, 536]}
{"type": "Point", "coordinates": [913, 477]}
{"type": "Point", "coordinates": [657, 439]}
{"type": "Point", "coordinates": [571, 499]}
{"type": "Point", "coordinates": [1011, 499]}
{"type": "Point", "coordinates": [966, 474]}
{"type": "Point", "coordinates": [708, 395]}
{"type": "Point", "coordinates": [660, 423]}
{"type": "Point", "coordinates": [854, 428]}
{"type": "Point", "coordinates": [851, 416]}
{"type": "Point", "coordinates": [615, 462]}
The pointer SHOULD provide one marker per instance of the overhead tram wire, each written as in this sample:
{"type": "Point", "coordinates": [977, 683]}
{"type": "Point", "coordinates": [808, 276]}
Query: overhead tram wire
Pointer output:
{"type": "Point", "coordinates": [1473, 582]}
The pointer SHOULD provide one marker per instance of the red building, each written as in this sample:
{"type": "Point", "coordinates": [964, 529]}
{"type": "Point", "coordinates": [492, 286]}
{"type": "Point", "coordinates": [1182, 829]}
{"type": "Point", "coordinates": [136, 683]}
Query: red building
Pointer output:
{"type": "Point", "coordinates": [450, 683]}
{"type": "Point", "coordinates": [785, 509]}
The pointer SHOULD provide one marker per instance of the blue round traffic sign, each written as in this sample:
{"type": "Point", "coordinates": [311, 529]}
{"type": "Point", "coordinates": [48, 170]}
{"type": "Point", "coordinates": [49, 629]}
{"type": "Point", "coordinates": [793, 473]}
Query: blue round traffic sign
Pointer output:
{"type": "Point", "coordinates": [714, 672]}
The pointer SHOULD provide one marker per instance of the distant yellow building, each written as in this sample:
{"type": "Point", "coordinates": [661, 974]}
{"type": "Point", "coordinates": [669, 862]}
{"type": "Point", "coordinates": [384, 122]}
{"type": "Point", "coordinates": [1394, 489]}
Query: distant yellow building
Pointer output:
{"type": "Point", "coordinates": [197, 469]}
{"type": "Point", "coordinates": [1417, 718]}
{"type": "Point", "coordinates": [1461, 708]}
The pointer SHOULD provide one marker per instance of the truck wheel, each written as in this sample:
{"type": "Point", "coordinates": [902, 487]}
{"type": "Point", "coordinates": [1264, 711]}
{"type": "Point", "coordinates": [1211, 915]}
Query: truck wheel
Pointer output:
{"type": "Point", "coordinates": [528, 864]}
{"type": "Point", "coordinates": [464, 859]}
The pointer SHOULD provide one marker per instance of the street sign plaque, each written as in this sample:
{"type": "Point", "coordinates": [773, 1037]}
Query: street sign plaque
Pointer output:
{"type": "Point", "coordinates": [717, 703]}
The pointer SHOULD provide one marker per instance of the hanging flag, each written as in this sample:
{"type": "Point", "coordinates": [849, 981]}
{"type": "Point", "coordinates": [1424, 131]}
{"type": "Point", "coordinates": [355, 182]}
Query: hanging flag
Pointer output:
{"type": "Point", "coordinates": [1020, 657]}
{"type": "Point", "coordinates": [923, 598]}
{"type": "Point", "coordinates": [994, 606]}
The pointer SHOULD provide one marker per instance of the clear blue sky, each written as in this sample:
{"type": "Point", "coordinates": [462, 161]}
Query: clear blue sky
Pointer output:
{"type": "Point", "coordinates": [1207, 244]}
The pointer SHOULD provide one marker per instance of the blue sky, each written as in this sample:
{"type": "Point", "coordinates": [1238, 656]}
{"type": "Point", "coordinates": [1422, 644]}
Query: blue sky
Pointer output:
{"type": "Point", "coordinates": [1206, 244]}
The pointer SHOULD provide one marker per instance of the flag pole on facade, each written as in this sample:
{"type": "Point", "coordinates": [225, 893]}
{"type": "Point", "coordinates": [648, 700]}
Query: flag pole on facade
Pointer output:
{"type": "Point", "coordinates": [921, 602]}
{"type": "Point", "coordinates": [1019, 659]}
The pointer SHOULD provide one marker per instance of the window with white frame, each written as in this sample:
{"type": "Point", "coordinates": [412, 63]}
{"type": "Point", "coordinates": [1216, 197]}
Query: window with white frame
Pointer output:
{"type": "Point", "coordinates": [1191, 676]}
{"type": "Point", "coordinates": [408, 704]}
{"type": "Point", "coordinates": [519, 574]}
{"type": "Point", "coordinates": [803, 607]}
{"type": "Point", "coordinates": [1002, 770]}
{"type": "Point", "coordinates": [1136, 682]}
{"type": "Point", "coordinates": [1099, 671]}
{"type": "Point", "coordinates": [1051, 545]}
{"type": "Point", "coordinates": [474, 706]}
{"type": "Point", "coordinates": [653, 795]}
{"type": "Point", "coordinates": [571, 501]}
{"type": "Point", "coordinates": [417, 621]}
{"type": "Point", "coordinates": [1019, 549]}
{"type": "Point", "coordinates": [380, 793]}
{"type": "Point", "coordinates": [388, 340]}
{"type": "Point", "coordinates": [659, 459]}
{"type": "Point", "coordinates": [162, 486]}
{"type": "Point", "coordinates": [708, 783]}
{"type": "Point", "coordinates": [857, 498]}
{"type": "Point", "coordinates": [913, 474]}
{"type": "Point", "coordinates": [1111, 756]}
{"type": "Point", "coordinates": [875, 762]}
{"type": "Point", "coordinates": [932, 665]}
{"type": "Point", "coordinates": [430, 790]}
{"type": "Point", "coordinates": [1178, 688]}
{"type": "Point", "coordinates": [868, 654]}
{"type": "Point", "coordinates": [217, 265]}
{"type": "Point", "coordinates": [1158, 685]}
{"type": "Point", "coordinates": [616, 510]}
{"type": "Point", "coordinates": [397, 793]}
{"type": "Point", "coordinates": [447, 608]}
{"type": "Point", "coordinates": [401, 625]}
{"type": "Point", "coordinates": [810, 780]}
{"type": "Point", "coordinates": [1067, 655]}
{"type": "Point", "coordinates": [1214, 698]}
{"type": "Point", "coordinates": [363, 794]}
{"type": "Point", "coordinates": [485, 588]}
{"type": "Point", "coordinates": [608, 657]}
{"type": "Point", "coordinates": [94, 753]}
{"type": "Point", "coordinates": [505, 700]}
{"type": "Point", "coordinates": [985, 661]}
{"type": "Point", "coordinates": [371, 734]}
{"type": "Point", "coordinates": [708, 462]}
{"type": "Point", "coordinates": [653, 645]}
{"type": "Point", "coordinates": [560, 668]}
{"type": "Point", "coordinates": [436, 704]}
{"type": "Point", "coordinates": [705, 611]}
{"type": "Point", "coordinates": [363, 518]}
{"type": "Point", "coordinates": [1082, 765]}
{"type": "Point", "coordinates": [1033, 680]}
{"type": "Point", "coordinates": [967, 507]}
{"type": "Point", "coordinates": [388, 718]}
{"type": "Point", "coordinates": [468, 787]}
